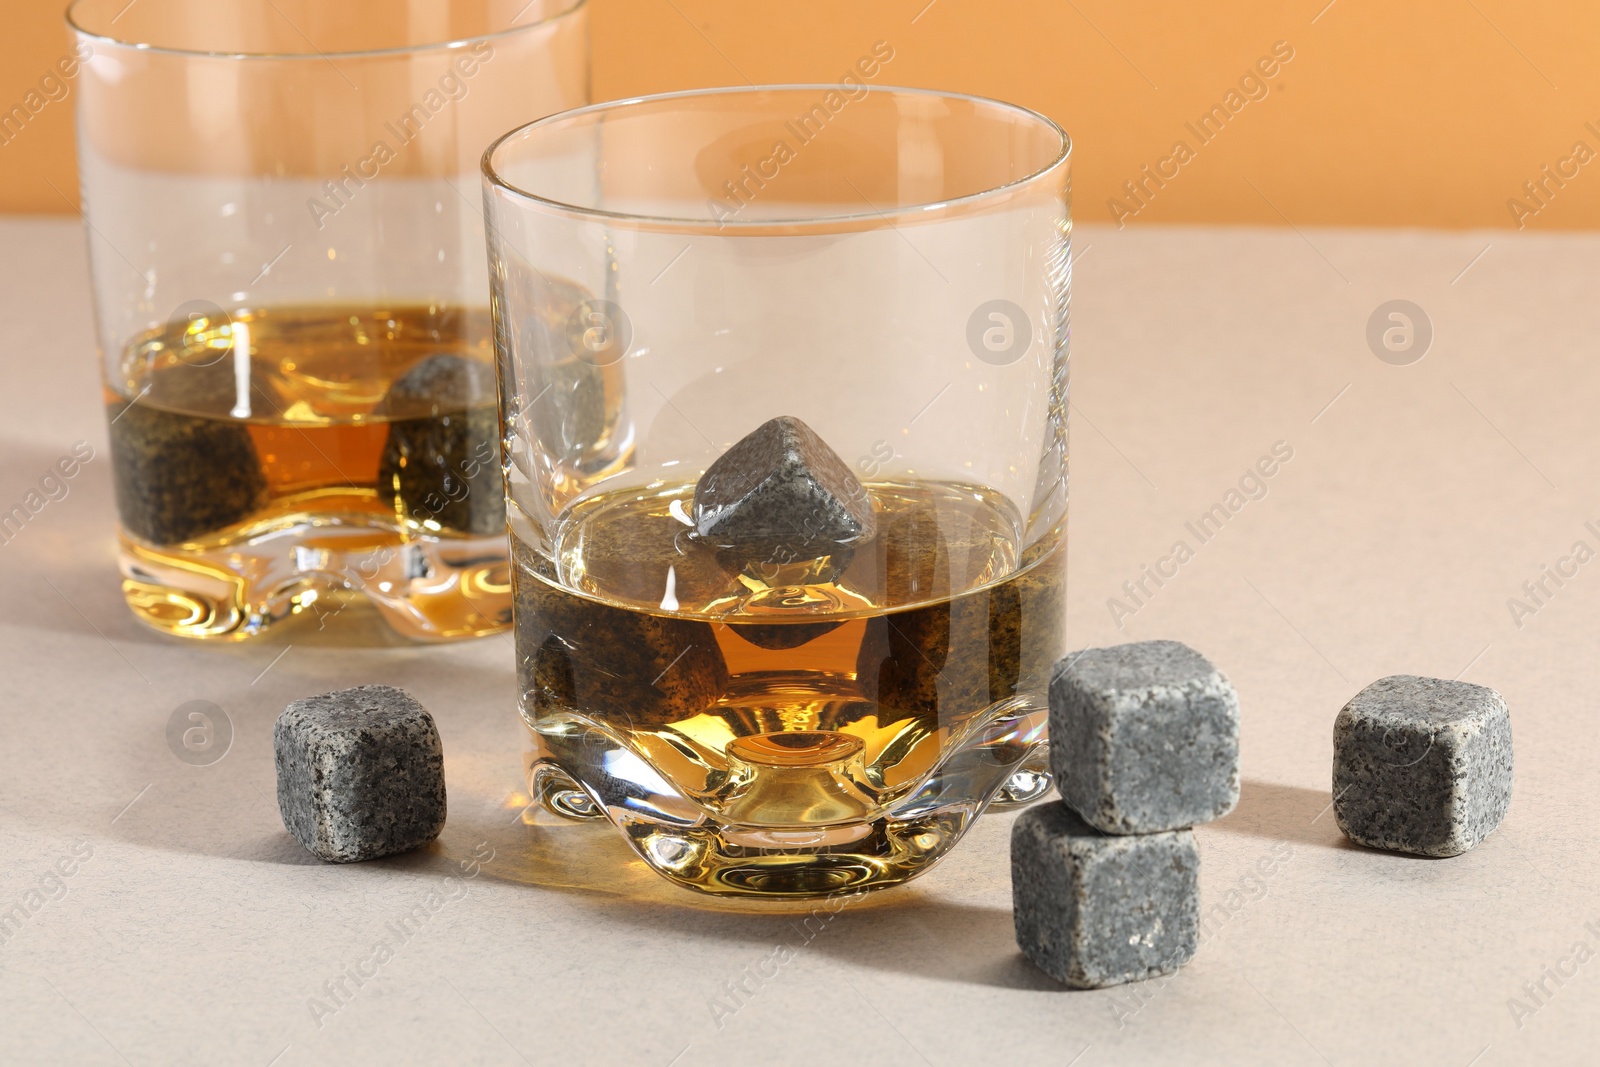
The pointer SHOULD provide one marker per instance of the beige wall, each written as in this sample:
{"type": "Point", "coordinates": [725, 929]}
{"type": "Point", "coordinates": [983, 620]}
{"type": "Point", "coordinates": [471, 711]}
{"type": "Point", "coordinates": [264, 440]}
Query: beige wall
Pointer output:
{"type": "Point", "coordinates": [1429, 113]}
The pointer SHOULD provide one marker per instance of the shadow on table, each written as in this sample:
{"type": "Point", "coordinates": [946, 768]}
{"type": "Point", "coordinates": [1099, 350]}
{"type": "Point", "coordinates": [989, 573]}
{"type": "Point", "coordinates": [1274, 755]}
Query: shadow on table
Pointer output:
{"type": "Point", "coordinates": [596, 878]}
{"type": "Point", "coordinates": [228, 809]}
{"type": "Point", "coordinates": [1283, 813]}
{"type": "Point", "coordinates": [902, 930]}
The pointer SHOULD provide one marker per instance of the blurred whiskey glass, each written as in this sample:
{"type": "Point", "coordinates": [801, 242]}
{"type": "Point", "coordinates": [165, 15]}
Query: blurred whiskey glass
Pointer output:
{"type": "Point", "coordinates": [286, 245]}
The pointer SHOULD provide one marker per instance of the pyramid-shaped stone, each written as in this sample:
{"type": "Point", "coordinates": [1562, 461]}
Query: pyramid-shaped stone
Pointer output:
{"type": "Point", "coordinates": [782, 494]}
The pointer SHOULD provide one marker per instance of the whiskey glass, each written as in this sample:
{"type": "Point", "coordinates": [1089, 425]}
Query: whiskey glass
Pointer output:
{"type": "Point", "coordinates": [291, 302]}
{"type": "Point", "coordinates": [889, 267]}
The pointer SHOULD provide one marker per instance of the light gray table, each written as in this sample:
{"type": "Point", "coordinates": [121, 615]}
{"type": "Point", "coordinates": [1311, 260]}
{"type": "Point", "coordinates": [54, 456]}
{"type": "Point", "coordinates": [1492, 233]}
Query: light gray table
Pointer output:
{"type": "Point", "coordinates": [1418, 500]}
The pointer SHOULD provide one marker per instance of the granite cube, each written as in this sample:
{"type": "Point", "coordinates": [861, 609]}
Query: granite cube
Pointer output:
{"type": "Point", "coordinates": [1422, 765]}
{"type": "Point", "coordinates": [1144, 737]}
{"type": "Point", "coordinates": [1095, 910]}
{"type": "Point", "coordinates": [360, 773]}
{"type": "Point", "coordinates": [183, 466]}
{"type": "Point", "coordinates": [575, 655]}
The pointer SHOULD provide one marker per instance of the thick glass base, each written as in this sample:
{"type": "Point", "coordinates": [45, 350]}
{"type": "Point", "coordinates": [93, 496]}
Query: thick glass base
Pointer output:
{"type": "Point", "coordinates": [423, 587]}
{"type": "Point", "coordinates": [695, 845]}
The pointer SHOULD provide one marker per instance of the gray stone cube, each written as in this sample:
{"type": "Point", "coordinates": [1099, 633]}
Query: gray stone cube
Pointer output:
{"type": "Point", "coordinates": [1144, 737]}
{"type": "Point", "coordinates": [360, 773]}
{"type": "Point", "coordinates": [1422, 765]}
{"type": "Point", "coordinates": [181, 465]}
{"type": "Point", "coordinates": [441, 460]}
{"type": "Point", "coordinates": [1096, 910]}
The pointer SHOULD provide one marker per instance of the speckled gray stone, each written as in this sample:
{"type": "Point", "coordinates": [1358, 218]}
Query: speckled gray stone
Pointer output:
{"type": "Point", "coordinates": [360, 773]}
{"type": "Point", "coordinates": [1422, 765]}
{"type": "Point", "coordinates": [1094, 910]}
{"type": "Point", "coordinates": [441, 460]}
{"type": "Point", "coordinates": [1144, 737]}
{"type": "Point", "coordinates": [781, 494]}
{"type": "Point", "coordinates": [183, 467]}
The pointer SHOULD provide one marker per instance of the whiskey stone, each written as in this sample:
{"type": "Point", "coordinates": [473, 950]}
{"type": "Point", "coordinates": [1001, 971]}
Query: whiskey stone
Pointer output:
{"type": "Point", "coordinates": [782, 494]}
{"type": "Point", "coordinates": [1144, 737]}
{"type": "Point", "coordinates": [182, 465]}
{"type": "Point", "coordinates": [955, 655]}
{"type": "Point", "coordinates": [914, 661]}
{"type": "Point", "coordinates": [360, 773]}
{"type": "Point", "coordinates": [441, 459]}
{"type": "Point", "coordinates": [1422, 765]}
{"type": "Point", "coordinates": [583, 655]}
{"type": "Point", "coordinates": [1093, 910]}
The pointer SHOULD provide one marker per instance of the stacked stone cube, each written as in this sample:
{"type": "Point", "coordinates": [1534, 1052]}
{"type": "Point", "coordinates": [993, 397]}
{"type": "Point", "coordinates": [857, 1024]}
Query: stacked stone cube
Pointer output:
{"type": "Point", "coordinates": [1144, 745]}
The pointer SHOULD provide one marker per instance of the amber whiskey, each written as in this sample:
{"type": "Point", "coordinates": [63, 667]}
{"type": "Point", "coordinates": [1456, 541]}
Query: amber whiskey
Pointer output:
{"type": "Point", "coordinates": [295, 460]}
{"type": "Point", "coordinates": [786, 729]}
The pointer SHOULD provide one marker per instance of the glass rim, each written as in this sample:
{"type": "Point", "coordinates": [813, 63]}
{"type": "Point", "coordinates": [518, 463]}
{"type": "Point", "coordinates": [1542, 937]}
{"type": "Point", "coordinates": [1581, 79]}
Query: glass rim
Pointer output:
{"type": "Point", "coordinates": [76, 25]}
{"type": "Point", "coordinates": [823, 223]}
